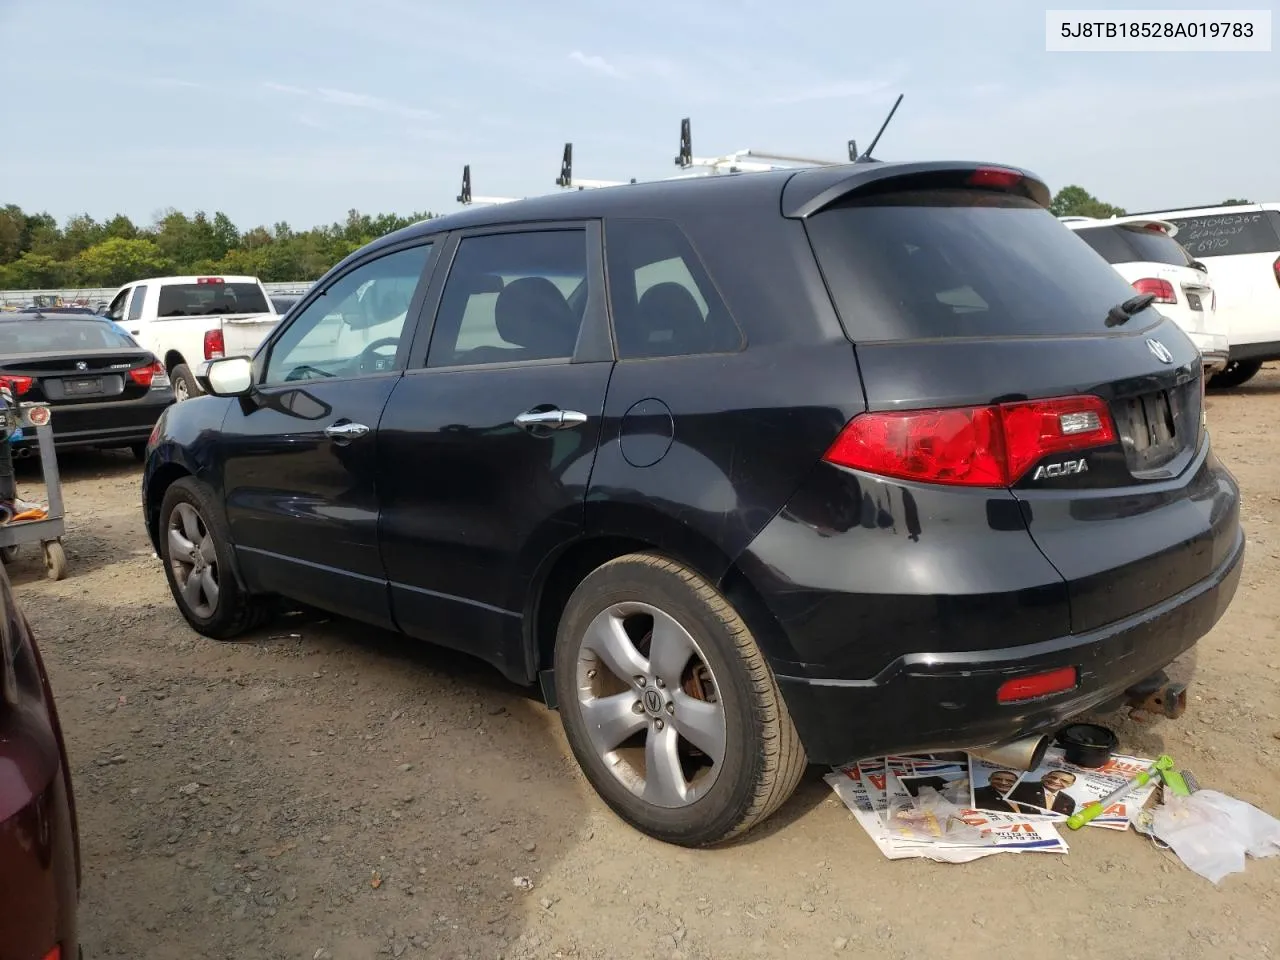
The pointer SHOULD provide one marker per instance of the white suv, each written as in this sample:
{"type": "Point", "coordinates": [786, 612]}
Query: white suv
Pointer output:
{"type": "Point", "coordinates": [1143, 251]}
{"type": "Point", "coordinates": [1240, 246]}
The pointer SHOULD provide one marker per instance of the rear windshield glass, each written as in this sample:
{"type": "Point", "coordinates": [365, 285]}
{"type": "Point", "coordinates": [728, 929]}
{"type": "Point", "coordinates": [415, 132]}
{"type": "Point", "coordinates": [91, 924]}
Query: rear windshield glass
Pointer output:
{"type": "Point", "coordinates": [1229, 234]}
{"type": "Point", "coordinates": [959, 263]}
{"type": "Point", "coordinates": [204, 299]}
{"type": "Point", "coordinates": [45, 336]}
{"type": "Point", "coordinates": [1129, 244]}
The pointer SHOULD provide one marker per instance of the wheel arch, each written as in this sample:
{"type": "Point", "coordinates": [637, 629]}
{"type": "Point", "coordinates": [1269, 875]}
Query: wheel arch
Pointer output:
{"type": "Point", "coordinates": [172, 359]}
{"type": "Point", "coordinates": [618, 533]}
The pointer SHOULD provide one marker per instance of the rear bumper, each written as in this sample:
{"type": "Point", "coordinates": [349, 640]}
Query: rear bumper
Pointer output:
{"type": "Point", "coordinates": [947, 701]}
{"type": "Point", "coordinates": [38, 889]}
{"type": "Point", "coordinates": [1214, 349]}
{"type": "Point", "coordinates": [116, 423]}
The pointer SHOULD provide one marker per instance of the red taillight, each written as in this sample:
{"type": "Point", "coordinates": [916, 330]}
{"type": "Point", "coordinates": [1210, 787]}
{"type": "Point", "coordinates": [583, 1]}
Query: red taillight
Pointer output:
{"type": "Point", "coordinates": [143, 376]}
{"type": "Point", "coordinates": [214, 346]}
{"type": "Point", "coordinates": [54, 954]}
{"type": "Point", "coordinates": [1275, 267]}
{"type": "Point", "coordinates": [1162, 290]}
{"type": "Point", "coordinates": [17, 385]}
{"type": "Point", "coordinates": [209, 280]}
{"type": "Point", "coordinates": [971, 446]}
{"type": "Point", "coordinates": [997, 177]}
{"type": "Point", "coordinates": [1037, 685]}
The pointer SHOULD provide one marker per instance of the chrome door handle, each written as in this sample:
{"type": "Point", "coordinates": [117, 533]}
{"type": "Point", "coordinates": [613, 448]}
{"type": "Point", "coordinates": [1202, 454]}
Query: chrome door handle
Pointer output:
{"type": "Point", "coordinates": [345, 432]}
{"type": "Point", "coordinates": [550, 419]}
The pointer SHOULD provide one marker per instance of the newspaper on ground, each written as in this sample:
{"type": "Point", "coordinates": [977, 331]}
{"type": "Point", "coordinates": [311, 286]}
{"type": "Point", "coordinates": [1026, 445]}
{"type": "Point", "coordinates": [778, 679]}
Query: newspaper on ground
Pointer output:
{"type": "Point", "coordinates": [918, 807]}
{"type": "Point", "coordinates": [1057, 789]}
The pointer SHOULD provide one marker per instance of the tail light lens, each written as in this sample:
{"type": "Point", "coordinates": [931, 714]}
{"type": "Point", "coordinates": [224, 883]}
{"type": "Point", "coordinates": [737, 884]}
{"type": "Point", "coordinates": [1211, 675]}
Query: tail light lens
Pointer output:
{"type": "Point", "coordinates": [215, 347]}
{"type": "Point", "coordinates": [17, 385]}
{"type": "Point", "coordinates": [150, 377]}
{"type": "Point", "coordinates": [996, 177]}
{"type": "Point", "coordinates": [990, 446]}
{"type": "Point", "coordinates": [1275, 268]}
{"type": "Point", "coordinates": [1162, 290]}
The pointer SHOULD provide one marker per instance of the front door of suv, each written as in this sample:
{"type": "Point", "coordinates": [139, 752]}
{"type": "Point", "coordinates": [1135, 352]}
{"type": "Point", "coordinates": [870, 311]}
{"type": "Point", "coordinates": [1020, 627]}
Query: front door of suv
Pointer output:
{"type": "Point", "coordinates": [299, 458]}
{"type": "Point", "coordinates": [488, 441]}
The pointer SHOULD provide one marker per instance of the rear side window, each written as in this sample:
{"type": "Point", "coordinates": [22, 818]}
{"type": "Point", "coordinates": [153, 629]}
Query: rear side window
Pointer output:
{"type": "Point", "coordinates": [207, 299]}
{"type": "Point", "coordinates": [135, 305]}
{"type": "Point", "coordinates": [1132, 244]}
{"type": "Point", "coordinates": [663, 302]}
{"type": "Point", "coordinates": [932, 264]}
{"type": "Point", "coordinates": [1230, 234]}
{"type": "Point", "coordinates": [512, 297]}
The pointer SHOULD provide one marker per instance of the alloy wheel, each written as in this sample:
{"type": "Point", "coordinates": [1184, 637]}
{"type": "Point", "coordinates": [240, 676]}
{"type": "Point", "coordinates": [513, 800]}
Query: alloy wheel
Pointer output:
{"type": "Point", "coordinates": [194, 560]}
{"type": "Point", "coordinates": [651, 705]}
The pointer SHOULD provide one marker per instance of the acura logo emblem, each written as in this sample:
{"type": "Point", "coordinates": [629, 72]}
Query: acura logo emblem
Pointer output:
{"type": "Point", "coordinates": [81, 365]}
{"type": "Point", "coordinates": [1160, 351]}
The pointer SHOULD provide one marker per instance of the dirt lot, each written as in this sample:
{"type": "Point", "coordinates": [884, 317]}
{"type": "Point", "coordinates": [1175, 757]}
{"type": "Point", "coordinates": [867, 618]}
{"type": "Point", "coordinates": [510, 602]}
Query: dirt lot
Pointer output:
{"type": "Point", "coordinates": [327, 790]}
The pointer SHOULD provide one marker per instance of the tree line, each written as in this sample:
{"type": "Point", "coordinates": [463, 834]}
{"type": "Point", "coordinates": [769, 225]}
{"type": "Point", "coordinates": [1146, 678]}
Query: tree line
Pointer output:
{"type": "Point", "coordinates": [37, 253]}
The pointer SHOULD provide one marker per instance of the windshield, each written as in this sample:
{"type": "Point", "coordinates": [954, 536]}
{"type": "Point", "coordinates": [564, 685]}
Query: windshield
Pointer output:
{"type": "Point", "coordinates": [928, 264]}
{"type": "Point", "coordinates": [207, 299]}
{"type": "Point", "coordinates": [50, 336]}
{"type": "Point", "coordinates": [1133, 244]}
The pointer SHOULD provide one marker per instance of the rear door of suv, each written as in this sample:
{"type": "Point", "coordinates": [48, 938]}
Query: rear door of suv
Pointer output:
{"type": "Point", "coordinates": [1241, 248]}
{"type": "Point", "coordinates": [981, 324]}
{"type": "Point", "coordinates": [488, 441]}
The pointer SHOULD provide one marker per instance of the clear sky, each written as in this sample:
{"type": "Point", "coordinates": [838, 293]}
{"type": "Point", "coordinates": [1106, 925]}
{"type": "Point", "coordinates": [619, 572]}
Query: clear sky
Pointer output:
{"type": "Point", "coordinates": [299, 110]}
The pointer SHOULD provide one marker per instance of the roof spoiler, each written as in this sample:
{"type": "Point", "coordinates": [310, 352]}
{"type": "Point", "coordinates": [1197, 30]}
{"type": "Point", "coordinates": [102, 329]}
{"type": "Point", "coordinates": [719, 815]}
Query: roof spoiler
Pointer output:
{"type": "Point", "coordinates": [807, 194]}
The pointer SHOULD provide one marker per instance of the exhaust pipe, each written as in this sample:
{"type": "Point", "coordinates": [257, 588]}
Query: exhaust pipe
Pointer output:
{"type": "Point", "coordinates": [22, 453]}
{"type": "Point", "coordinates": [1024, 754]}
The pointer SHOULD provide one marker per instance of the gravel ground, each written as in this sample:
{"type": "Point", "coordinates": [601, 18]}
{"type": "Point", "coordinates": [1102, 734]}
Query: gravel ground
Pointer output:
{"type": "Point", "coordinates": [324, 789]}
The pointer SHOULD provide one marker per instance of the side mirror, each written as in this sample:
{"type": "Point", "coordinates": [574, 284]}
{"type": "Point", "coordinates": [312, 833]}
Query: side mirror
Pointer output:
{"type": "Point", "coordinates": [228, 377]}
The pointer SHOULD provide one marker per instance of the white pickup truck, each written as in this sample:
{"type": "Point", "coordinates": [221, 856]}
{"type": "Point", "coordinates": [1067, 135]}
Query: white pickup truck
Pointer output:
{"type": "Point", "coordinates": [186, 320]}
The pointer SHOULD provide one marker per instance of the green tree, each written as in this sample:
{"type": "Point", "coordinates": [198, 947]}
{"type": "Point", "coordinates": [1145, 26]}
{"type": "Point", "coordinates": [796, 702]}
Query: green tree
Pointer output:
{"type": "Point", "coordinates": [38, 271]}
{"type": "Point", "coordinates": [1074, 201]}
{"type": "Point", "coordinates": [117, 261]}
{"type": "Point", "coordinates": [120, 226]}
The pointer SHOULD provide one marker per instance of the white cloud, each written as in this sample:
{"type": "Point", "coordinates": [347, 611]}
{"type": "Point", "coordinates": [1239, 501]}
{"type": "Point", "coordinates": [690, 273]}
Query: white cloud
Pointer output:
{"type": "Point", "coordinates": [831, 91]}
{"type": "Point", "coordinates": [354, 101]}
{"type": "Point", "coordinates": [594, 62]}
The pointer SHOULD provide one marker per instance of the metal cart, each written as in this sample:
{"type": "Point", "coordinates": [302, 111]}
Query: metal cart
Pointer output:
{"type": "Point", "coordinates": [47, 532]}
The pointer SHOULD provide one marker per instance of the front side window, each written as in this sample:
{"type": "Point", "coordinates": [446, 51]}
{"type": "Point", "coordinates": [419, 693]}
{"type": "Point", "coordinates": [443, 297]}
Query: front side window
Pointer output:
{"type": "Point", "coordinates": [663, 302]}
{"type": "Point", "coordinates": [135, 305]}
{"type": "Point", "coordinates": [512, 297]}
{"type": "Point", "coordinates": [355, 326]}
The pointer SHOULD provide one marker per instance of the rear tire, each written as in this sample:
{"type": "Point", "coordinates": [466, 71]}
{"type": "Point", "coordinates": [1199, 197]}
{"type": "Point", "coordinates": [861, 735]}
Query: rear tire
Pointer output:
{"type": "Point", "coordinates": [198, 562]}
{"type": "Point", "coordinates": [184, 383]}
{"type": "Point", "coordinates": [1236, 373]}
{"type": "Point", "coordinates": [651, 660]}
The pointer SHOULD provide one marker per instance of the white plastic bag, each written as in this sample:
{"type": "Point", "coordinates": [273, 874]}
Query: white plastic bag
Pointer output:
{"type": "Point", "coordinates": [1211, 832]}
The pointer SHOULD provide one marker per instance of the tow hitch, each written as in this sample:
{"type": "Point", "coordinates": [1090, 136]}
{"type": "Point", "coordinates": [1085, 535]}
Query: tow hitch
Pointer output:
{"type": "Point", "coordinates": [1157, 695]}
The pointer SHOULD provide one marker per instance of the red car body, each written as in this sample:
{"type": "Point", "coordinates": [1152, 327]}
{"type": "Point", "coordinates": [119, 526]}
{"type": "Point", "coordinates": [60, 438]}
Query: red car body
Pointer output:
{"type": "Point", "coordinates": [39, 837]}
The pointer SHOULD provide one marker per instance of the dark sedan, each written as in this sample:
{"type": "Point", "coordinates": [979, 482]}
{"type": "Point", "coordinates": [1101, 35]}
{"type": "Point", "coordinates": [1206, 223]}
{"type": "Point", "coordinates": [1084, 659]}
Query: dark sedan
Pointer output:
{"type": "Point", "coordinates": [39, 839]}
{"type": "Point", "coordinates": [104, 389]}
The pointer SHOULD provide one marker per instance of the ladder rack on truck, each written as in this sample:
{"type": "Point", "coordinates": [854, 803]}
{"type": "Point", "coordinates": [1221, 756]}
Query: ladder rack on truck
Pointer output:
{"type": "Point", "coordinates": [739, 161]}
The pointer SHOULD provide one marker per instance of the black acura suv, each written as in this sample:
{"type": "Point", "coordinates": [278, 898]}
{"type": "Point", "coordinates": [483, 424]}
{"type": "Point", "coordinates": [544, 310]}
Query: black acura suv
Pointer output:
{"type": "Point", "coordinates": [747, 471]}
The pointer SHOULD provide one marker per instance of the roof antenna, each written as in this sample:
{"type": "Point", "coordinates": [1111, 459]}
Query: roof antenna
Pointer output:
{"type": "Point", "coordinates": [866, 157]}
{"type": "Point", "coordinates": [465, 196]}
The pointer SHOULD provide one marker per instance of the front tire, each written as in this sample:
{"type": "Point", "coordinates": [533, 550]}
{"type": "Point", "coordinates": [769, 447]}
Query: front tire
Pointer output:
{"type": "Point", "coordinates": [669, 706]}
{"type": "Point", "coordinates": [1234, 374]}
{"type": "Point", "coordinates": [184, 383]}
{"type": "Point", "coordinates": [197, 556]}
